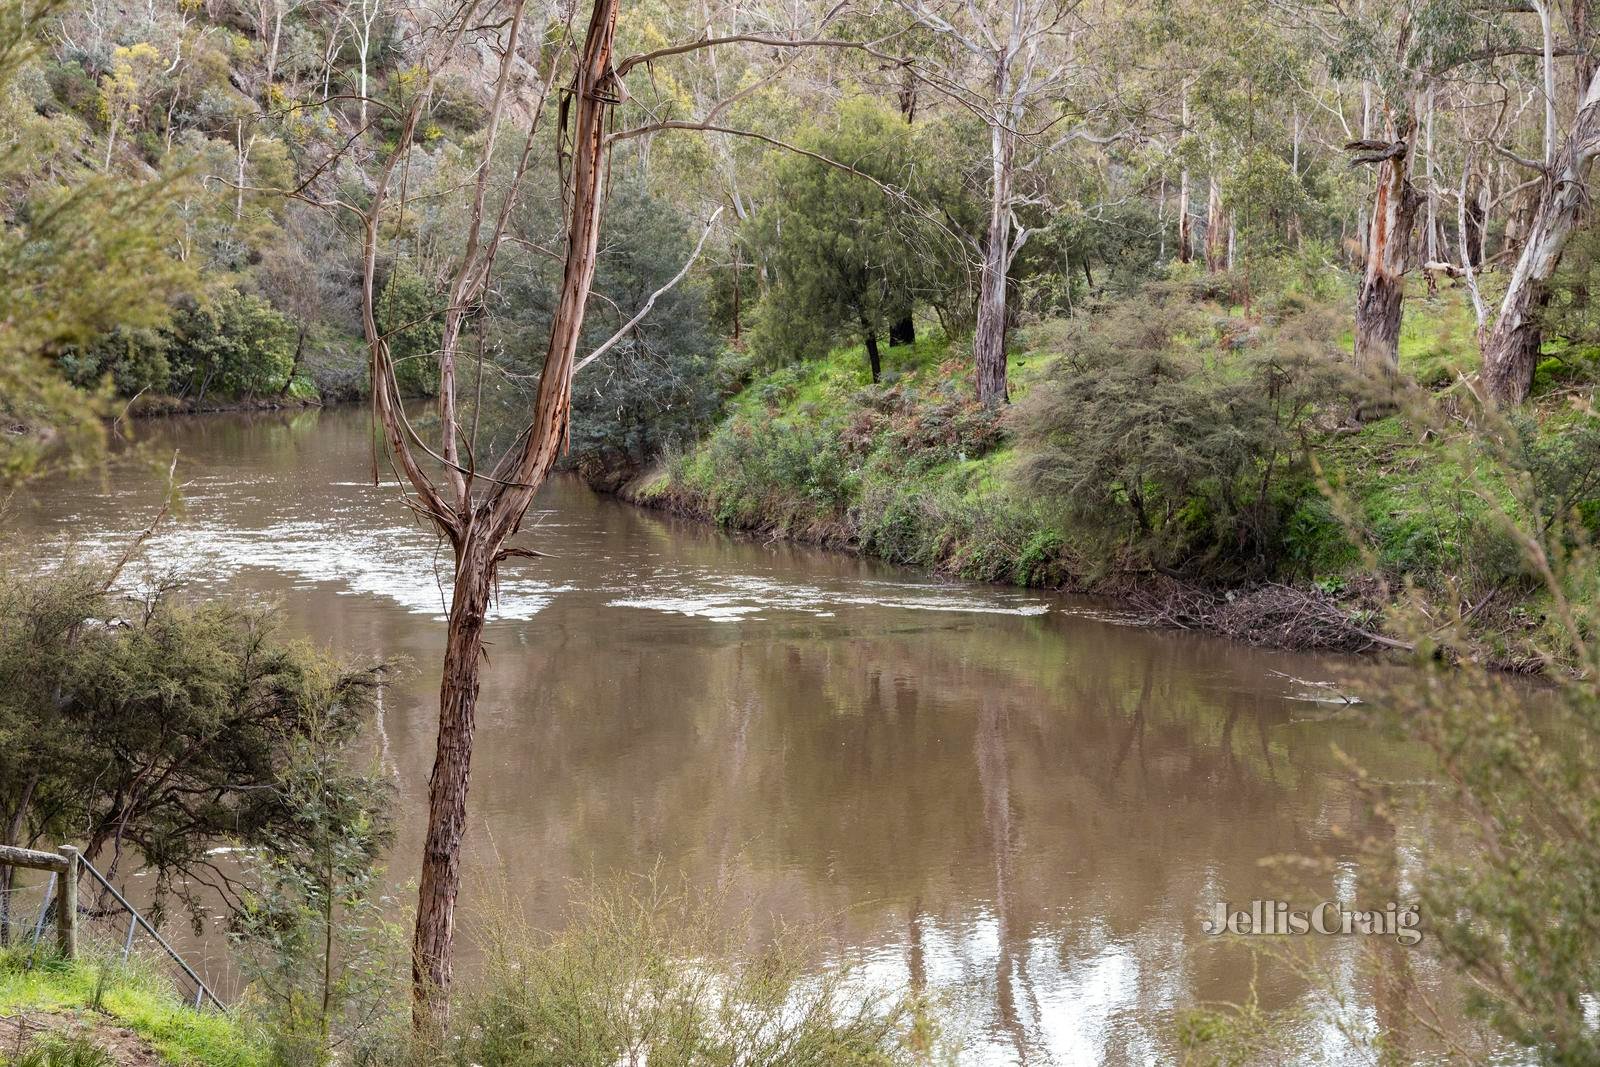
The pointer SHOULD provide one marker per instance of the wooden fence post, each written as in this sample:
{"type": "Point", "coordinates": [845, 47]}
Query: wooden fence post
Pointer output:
{"type": "Point", "coordinates": [67, 905]}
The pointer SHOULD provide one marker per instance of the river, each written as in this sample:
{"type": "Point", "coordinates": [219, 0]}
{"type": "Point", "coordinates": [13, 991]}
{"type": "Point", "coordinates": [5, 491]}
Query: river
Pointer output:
{"type": "Point", "coordinates": [1010, 797]}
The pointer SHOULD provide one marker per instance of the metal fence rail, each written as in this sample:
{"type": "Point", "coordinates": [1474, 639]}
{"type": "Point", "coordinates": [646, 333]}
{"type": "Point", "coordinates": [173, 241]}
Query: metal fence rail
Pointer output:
{"type": "Point", "coordinates": [61, 903]}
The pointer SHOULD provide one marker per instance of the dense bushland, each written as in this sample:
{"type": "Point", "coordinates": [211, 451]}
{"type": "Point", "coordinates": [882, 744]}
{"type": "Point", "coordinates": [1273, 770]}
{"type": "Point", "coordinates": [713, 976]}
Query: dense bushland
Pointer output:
{"type": "Point", "coordinates": [153, 730]}
{"type": "Point", "coordinates": [1162, 436]}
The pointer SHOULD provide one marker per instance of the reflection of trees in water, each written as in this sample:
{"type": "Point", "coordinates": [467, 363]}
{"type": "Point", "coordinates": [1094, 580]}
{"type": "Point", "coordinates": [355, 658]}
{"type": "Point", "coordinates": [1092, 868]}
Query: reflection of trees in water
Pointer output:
{"type": "Point", "coordinates": [913, 773]}
{"type": "Point", "coordinates": [994, 779]}
{"type": "Point", "coordinates": [893, 771]}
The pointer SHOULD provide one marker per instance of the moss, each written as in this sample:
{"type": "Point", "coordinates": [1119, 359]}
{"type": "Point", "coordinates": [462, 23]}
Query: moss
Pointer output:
{"type": "Point", "coordinates": [133, 996]}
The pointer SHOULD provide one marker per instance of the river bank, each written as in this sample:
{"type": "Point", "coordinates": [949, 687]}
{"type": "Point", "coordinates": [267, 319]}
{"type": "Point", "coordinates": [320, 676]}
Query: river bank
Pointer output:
{"type": "Point", "coordinates": [1298, 617]}
{"type": "Point", "coordinates": [1372, 538]}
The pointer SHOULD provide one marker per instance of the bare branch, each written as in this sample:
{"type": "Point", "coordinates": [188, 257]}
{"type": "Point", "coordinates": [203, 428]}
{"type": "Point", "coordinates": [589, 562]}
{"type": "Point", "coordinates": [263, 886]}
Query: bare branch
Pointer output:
{"type": "Point", "coordinates": [650, 304]}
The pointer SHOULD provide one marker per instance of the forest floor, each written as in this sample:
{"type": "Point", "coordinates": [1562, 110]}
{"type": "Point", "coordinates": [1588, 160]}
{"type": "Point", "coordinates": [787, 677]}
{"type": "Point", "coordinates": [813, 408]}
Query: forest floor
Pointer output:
{"type": "Point", "coordinates": [916, 472]}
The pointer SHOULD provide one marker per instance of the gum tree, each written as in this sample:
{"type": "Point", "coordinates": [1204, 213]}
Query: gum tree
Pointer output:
{"type": "Point", "coordinates": [478, 506]}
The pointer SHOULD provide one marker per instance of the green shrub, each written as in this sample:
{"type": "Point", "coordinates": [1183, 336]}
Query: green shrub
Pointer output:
{"type": "Point", "coordinates": [232, 344]}
{"type": "Point", "coordinates": [665, 978]}
{"type": "Point", "coordinates": [135, 359]}
{"type": "Point", "coordinates": [410, 314]}
{"type": "Point", "coordinates": [1169, 425]}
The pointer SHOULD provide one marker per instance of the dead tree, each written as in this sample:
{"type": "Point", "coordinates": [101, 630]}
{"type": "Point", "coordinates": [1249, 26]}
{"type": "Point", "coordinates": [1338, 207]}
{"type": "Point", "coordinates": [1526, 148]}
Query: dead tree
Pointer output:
{"type": "Point", "coordinates": [1394, 215]}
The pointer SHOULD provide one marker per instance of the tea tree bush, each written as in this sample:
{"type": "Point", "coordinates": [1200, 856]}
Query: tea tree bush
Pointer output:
{"type": "Point", "coordinates": [155, 725]}
{"type": "Point", "coordinates": [1164, 421]}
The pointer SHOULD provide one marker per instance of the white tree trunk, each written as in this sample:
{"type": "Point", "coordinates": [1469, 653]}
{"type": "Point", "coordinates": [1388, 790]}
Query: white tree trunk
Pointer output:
{"type": "Point", "coordinates": [989, 339]}
{"type": "Point", "coordinates": [1511, 352]}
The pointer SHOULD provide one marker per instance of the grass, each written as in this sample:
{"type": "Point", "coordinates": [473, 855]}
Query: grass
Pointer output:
{"type": "Point", "coordinates": [911, 470]}
{"type": "Point", "coordinates": [129, 995]}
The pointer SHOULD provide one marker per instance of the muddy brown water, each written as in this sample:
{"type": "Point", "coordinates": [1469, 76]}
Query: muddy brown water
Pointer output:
{"type": "Point", "coordinates": [1001, 795]}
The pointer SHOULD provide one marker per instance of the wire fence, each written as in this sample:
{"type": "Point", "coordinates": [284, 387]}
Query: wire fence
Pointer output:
{"type": "Point", "coordinates": [29, 920]}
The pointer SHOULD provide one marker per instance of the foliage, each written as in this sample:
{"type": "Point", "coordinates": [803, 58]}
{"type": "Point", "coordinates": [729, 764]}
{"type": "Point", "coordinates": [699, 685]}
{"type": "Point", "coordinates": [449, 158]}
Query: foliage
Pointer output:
{"type": "Point", "coordinates": [54, 1050]}
{"type": "Point", "coordinates": [319, 952]}
{"type": "Point", "coordinates": [228, 344]}
{"type": "Point", "coordinates": [80, 254]}
{"type": "Point", "coordinates": [152, 723]}
{"type": "Point", "coordinates": [660, 976]}
{"type": "Point", "coordinates": [1571, 312]}
{"type": "Point", "coordinates": [1161, 418]}
{"type": "Point", "coordinates": [851, 256]}
{"type": "Point", "coordinates": [660, 385]}
{"type": "Point", "coordinates": [410, 314]}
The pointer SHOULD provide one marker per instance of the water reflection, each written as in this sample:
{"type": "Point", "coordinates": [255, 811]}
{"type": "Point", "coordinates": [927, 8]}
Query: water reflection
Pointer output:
{"type": "Point", "coordinates": [982, 791]}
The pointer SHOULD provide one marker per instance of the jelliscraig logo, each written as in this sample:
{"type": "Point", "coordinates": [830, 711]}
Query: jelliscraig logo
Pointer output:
{"type": "Point", "coordinates": [1331, 918]}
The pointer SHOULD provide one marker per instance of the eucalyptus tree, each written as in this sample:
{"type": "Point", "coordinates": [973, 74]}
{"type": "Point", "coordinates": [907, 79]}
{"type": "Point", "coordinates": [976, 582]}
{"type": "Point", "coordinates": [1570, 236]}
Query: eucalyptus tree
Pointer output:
{"type": "Point", "coordinates": [475, 501]}
{"type": "Point", "coordinates": [1401, 53]}
{"type": "Point", "coordinates": [1012, 64]}
{"type": "Point", "coordinates": [1570, 144]}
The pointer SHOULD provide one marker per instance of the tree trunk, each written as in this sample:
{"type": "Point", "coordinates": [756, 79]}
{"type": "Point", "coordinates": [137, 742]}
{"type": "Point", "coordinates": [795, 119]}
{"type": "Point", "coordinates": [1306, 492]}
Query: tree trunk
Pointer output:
{"type": "Point", "coordinates": [1185, 227]}
{"type": "Point", "coordinates": [1216, 251]}
{"type": "Point", "coordinates": [903, 331]}
{"type": "Point", "coordinates": [299, 354]}
{"type": "Point", "coordinates": [1474, 225]}
{"type": "Point", "coordinates": [738, 267]}
{"type": "Point", "coordinates": [1394, 213]}
{"type": "Point", "coordinates": [452, 765]}
{"type": "Point", "coordinates": [1511, 352]}
{"type": "Point", "coordinates": [486, 525]}
{"type": "Point", "coordinates": [1185, 230]}
{"type": "Point", "coordinates": [872, 352]}
{"type": "Point", "coordinates": [989, 339]}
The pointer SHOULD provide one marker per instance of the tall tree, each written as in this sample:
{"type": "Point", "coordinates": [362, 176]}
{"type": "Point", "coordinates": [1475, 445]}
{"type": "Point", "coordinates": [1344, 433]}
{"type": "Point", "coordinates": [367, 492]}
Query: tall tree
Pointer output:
{"type": "Point", "coordinates": [1003, 63]}
{"type": "Point", "coordinates": [476, 510]}
{"type": "Point", "coordinates": [844, 252]}
{"type": "Point", "coordinates": [1511, 349]}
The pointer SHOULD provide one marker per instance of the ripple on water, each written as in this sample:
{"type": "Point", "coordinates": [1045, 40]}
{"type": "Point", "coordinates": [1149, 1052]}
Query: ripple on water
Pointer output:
{"type": "Point", "coordinates": [392, 562]}
{"type": "Point", "coordinates": [728, 598]}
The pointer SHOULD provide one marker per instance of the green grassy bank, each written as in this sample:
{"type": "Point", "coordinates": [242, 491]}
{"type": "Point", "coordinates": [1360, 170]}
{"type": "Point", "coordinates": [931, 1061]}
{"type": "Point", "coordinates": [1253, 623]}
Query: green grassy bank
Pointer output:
{"type": "Point", "coordinates": [1296, 499]}
{"type": "Point", "coordinates": [56, 1011]}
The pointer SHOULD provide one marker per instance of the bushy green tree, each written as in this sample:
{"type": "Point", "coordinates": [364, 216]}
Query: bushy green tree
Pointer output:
{"type": "Point", "coordinates": [157, 725]}
{"type": "Point", "coordinates": [134, 359]}
{"type": "Point", "coordinates": [850, 256]}
{"type": "Point", "coordinates": [661, 384]}
{"type": "Point", "coordinates": [232, 344]}
{"type": "Point", "coordinates": [409, 313]}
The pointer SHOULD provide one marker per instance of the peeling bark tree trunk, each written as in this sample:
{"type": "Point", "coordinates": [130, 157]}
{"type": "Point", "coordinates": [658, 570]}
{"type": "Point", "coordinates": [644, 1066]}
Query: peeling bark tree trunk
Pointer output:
{"type": "Point", "coordinates": [989, 339]}
{"type": "Point", "coordinates": [452, 766]}
{"type": "Point", "coordinates": [1185, 227]}
{"type": "Point", "coordinates": [1216, 249]}
{"type": "Point", "coordinates": [1511, 352]}
{"type": "Point", "coordinates": [1379, 305]}
{"type": "Point", "coordinates": [479, 530]}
